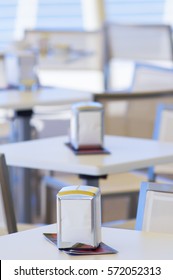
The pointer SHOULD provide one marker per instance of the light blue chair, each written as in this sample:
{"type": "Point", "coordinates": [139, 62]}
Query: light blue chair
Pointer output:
{"type": "Point", "coordinates": [163, 131]}
{"type": "Point", "coordinates": [149, 77]}
{"type": "Point", "coordinates": [155, 208]}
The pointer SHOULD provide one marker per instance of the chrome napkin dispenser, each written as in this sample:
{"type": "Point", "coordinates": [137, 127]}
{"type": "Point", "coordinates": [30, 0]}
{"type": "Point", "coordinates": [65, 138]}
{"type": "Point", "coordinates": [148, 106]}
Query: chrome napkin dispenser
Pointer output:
{"type": "Point", "coordinates": [78, 216]}
{"type": "Point", "coordinates": [87, 125]}
{"type": "Point", "coordinates": [21, 69]}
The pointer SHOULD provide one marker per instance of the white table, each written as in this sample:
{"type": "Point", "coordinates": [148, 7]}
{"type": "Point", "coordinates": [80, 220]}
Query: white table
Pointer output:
{"type": "Point", "coordinates": [131, 245]}
{"type": "Point", "coordinates": [126, 154]}
{"type": "Point", "coordinates": [23, 102]}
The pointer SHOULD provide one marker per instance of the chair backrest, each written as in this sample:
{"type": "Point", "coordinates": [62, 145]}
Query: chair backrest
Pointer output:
{"type": "Point", "coordinates": [163, 131]}
{"type": "Point", "coordinates": [139, 41]}
{"type": "Point", "coordinates": [134, 42]}
{"type": "Point", "coordinates": [163, 123]}
{"type": "Point", "coordinates": [79, 50]}
{"type": "Point", "coordinates": [149, 77]}
{"type": "Point", "coordinates": [7, 196]}
{"type": "Point", "coordinates": [155, 208]}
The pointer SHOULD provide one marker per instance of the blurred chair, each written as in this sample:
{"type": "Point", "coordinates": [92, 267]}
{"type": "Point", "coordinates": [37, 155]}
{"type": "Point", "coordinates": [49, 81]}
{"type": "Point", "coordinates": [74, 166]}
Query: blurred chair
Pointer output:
{"type": "Point", "coordinates": [138, 42]}
{"type": "Point", "coordinates": [163, 131]}
{"type": "Point", "coordinates": [119, 195]}
{"type": "Point", "coordinates": [50, 121]}
{"type": "Point", "coordinates": [71, 59]}
{"type": "Point", "coordinates": [149, 77]}
{"type": "Point", "coordinates": [155, 208]}
{"type": "Point", "coordinates": [7, 197]}
{"type": "Point", "coordinates": [8, 201]}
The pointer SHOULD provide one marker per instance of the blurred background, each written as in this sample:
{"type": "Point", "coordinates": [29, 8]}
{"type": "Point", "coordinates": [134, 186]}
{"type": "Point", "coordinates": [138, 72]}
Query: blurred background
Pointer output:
{"type": "Point", "coordinates": [119, 47]}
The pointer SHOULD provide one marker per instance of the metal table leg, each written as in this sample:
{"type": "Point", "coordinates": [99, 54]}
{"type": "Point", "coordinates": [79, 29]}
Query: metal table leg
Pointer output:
{"type": "Point", "coordinates": [22, 176]}
{"type": "Point", "coordinates": [91, 180]}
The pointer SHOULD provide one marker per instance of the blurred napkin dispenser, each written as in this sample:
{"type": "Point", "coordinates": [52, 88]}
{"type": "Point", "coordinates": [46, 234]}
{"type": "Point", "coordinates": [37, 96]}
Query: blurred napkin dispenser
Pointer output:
{"type": "Point", "coordinates": [87, 125]}
{"type": "Point", "coordinates": [21, 69]}
{"type": "Point", "coordinates": [78, 216]}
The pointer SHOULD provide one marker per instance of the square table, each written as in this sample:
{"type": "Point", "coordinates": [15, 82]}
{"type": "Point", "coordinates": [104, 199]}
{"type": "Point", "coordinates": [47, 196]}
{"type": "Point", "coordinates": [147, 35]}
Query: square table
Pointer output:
{"type": "Point", "coordinates": [131, 245]}
{"type": "Point", "coordinates": [126, 154]}
{"type": "Point", "coordinates": [23, 103]}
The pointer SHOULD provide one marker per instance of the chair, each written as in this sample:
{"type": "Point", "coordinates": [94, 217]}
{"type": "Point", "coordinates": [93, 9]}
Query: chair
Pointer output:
{"type": "Point", "coordinates": [119, 190]}
{"type": "Point", "coordinates": [140, 41]}
{"type": "Point", "coordinates": [7, 197]}
{"type": "Point", "coordinates": [137, 42]}
{"type": "Point", "coordinates": [149, 77]}
{"type": "Point", "coordinates": [155, 208]}
{"type": "Point", "coordinates": [7, 200]}
{"type": "Point", "coordinates": [163, 131]}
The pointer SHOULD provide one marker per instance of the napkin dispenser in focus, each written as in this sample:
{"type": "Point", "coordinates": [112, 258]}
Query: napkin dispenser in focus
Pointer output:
{"type": "Point", "coordinates": [78, 216]}
{"type": "Point", "coordinates": [87, 125]}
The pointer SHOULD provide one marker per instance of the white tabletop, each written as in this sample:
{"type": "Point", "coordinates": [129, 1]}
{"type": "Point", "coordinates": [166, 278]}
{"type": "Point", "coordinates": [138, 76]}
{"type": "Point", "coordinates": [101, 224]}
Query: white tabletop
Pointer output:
{"type": "Point", "coordinates": [52, 154]}
{"type": "Point", "coordinates": [25, 100]}
{"type": "Point", "coordinates": [130, 244]}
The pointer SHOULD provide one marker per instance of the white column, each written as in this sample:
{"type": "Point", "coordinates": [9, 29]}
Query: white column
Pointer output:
{"type": "Point", "coordinates": [26, 17]}
{"type": "Point", "coordinates": [168, 12]}
{"type": "Point", "coordinates": [93, 12]}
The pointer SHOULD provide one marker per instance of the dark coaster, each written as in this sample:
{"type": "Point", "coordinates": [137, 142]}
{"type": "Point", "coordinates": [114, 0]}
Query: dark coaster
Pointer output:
{"type": "Point", "coordinates": [82, 249]}
{"type": "Point", "coordinates": [87, 151]}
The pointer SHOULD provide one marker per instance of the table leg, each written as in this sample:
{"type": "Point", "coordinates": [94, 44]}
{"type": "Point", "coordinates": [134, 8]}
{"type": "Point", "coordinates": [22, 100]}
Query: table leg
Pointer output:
{"type": "Point", "coordinates": [91, 180]}
{"type": "Point", "coordinates": [21, 188]}
{"type": "Point", "coordinates": [133, 205]}
{"type": "Point", "coordinates": [21, 131]}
